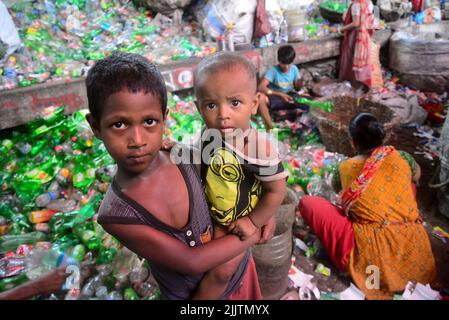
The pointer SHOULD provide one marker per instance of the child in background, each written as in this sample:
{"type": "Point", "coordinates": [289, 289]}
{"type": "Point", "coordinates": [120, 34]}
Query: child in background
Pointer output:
{"type": "Point", "coordinates": [243, 176]}
{"type": "Point", "coordinates": [279, 86]}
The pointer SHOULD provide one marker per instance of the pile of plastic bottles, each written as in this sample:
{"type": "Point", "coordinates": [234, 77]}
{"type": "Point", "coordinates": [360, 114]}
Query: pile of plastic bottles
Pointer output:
{"type": "Point", "coordinates": [62, 38]}
{"type": "Point", "coordinates": [312, 170]}
{"type": "Point", "coordinates": [53, 178]}
{"type": "Point", "coordinates": [184, 122]}
{"type": "Point", "coordinates": [339, 6]}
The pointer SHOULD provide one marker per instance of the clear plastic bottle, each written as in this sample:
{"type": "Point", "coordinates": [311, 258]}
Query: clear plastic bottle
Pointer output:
{"type": "Point", "coordinates": [283, 31]}
{"type": "Point", "coordinates": [63, 176]}
{"type": "Point", "coordinates": [101, 292]}
{"type": "Point", "coordinates": [44, 199]}
{"type": "Point", "coordinates": [138, 275]}
{"type": "Point", "coordinates": [40, 261]}
{"type": "Point", "coordinates": [114, 295]}
{"type": "Point", "coordinates": [91, 8]}
{"type": "Point", "coordinates": [62, 205]}
{"type": "Point", "coordinates": [221, 43]}
{"type": "Point", "coordinates": [229, 35]}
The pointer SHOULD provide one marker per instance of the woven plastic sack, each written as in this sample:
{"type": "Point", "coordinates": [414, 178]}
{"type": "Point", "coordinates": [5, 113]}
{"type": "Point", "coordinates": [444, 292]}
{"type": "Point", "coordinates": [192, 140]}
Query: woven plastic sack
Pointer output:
{"type": "Point", "coordinates": [8, 33]}
{"type": "Point", "coordinates": [218, 13]}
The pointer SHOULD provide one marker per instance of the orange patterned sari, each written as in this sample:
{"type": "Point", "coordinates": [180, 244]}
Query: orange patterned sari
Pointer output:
{"type": "Point", "coordinates": [390, 240]}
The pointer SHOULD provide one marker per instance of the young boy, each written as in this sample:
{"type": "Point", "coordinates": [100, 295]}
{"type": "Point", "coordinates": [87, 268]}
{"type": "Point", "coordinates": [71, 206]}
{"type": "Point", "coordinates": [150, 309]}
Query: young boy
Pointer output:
{"type": "Point", "coordinates": [155, 208]}
{"type": "Point", "coordinates": [242, 173]}
{"type": "Point", "coordinates": [279, 85]}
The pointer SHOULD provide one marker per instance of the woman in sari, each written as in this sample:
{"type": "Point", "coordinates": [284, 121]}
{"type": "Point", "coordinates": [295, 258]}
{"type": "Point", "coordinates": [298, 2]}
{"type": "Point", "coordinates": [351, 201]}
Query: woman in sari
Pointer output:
{"type": "Point", "coordinates": [377, 234]}
{"type": "Point", "coordinates": [358, 27]}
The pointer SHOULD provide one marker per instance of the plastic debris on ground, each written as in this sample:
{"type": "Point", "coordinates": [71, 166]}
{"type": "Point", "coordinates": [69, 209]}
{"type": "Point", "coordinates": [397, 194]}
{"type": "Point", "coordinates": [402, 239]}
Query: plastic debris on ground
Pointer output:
{"type": "Point", "coordinates": [351, 293]}
{"type": "Point", "coordinates": [439, 233]}
{"type": "Point", "coordinates": [62, 39]}
{"type": "Point", "coordinates": [303, 282]}
{"type": "Point", "coordinates": [312, 170]}
{"type": "Point", "coordinates": [325, 271]}
{"type": "Point", "coordinates": [419, 291]}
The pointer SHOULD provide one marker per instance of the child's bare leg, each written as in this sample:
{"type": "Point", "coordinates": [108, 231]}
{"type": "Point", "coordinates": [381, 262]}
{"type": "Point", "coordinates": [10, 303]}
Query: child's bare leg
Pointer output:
{"type": "Point", "coordinates": [216, 280]}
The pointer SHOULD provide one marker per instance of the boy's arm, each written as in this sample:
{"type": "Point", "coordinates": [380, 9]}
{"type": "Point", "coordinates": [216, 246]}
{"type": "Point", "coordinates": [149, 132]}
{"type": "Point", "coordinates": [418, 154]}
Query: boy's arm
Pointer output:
{"type": "Point", "coordinates": [263, 87]}
{"type": "Point", "coordinates": [161, 248]}
{"type": "Point", "coordinates": [46, 284]}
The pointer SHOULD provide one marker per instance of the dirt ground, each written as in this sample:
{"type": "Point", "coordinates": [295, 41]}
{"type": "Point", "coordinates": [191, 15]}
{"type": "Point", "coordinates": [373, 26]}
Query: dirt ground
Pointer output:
{"type": "Point", "coordinates": [403, 139]}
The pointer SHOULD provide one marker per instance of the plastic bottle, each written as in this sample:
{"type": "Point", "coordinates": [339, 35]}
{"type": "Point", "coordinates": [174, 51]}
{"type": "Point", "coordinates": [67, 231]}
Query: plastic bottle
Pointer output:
{"type": "Point", "coordinates": [63, 176]}
{"type": "Point", "coordinates": [147, 290]}
{"type": "Point", "coordinates": [11, 242]}
{"type": "Point", "coordinates": [41, 216]}
{"type": "Point", "coordinates": [42, 227]}
{"type": "Point", "coordinates": [62, 205]}
{"type": "Point", "coordinates": [78, 252]}
{"type": "Point", "coordinates": [114, 295]}
{"type": "Point", "coordinates": [40, 261]}
{"type": "Point", "coordinates": [323, 105]}
{"type": "Point", "coordinates": [87, 236]}
{"type": "Point", "coordinates": [221, 43]}
{"type": "Point", "coordinates": [229, 34]}
{"type": "Point", "coordinates": [11, 282]}
{"type": "Point", "coordinates": [130, 294]}
{"type": "Point", "coordinates": [283, 31]}
{"type": "Point", "coordinates": [44, 199]}
{"type": "Point", "coordinates": [138, 275]}
{"type": "Point", "coordinates": [101, 292]}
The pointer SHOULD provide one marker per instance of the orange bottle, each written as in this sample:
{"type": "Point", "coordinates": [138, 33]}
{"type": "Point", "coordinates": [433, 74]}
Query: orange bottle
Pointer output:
{"type": "Point", "coordinates": [41, 216]}
{"type": "Point", "coordinates": [4, 229]}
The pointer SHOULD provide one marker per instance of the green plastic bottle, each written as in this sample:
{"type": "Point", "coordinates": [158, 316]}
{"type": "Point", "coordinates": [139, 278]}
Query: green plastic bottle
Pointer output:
{"type": "Point", "coordinates": [12, 282]}
{"type": "Point", "coordinates": [130, 294]}
{"type": "Point", "coordinates": [327, 106]}
{"type": "Point", "coordinates": [11, 242]}
{"type": "Point", "coordinates": [62, 222]}
{"type": "Point", "coordinates": [78, 252]}
{"type": "Point", "coordinates": [87, 236]}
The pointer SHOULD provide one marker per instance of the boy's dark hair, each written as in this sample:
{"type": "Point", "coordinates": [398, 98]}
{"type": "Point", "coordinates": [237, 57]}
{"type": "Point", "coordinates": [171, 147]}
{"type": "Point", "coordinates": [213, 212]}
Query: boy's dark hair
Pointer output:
{"type": "Point", "coordinates": [366, 132]}
{"type": "Point", "coordinates": [119, 71]}
{"type": "Point", "coordinates": [286, 54]}
{"type": "Point", "coordinates": [223, 60]}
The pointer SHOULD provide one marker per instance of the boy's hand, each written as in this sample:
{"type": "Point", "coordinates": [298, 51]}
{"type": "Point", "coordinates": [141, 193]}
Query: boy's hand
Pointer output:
{"type": "Point", "coordinates": [168, 144]}
{"type": "Point", "coordinates": [286, 97]}
{"type": "Point", "coordinates": [50, 282]}
{"type": "Point", "coordinates": [243, 228]}
{"type": "Point", "coordinates": [268, 231]}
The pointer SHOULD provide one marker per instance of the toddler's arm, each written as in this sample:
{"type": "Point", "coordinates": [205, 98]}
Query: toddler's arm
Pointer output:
{"type": "Point", "coordinates": [274, 193]}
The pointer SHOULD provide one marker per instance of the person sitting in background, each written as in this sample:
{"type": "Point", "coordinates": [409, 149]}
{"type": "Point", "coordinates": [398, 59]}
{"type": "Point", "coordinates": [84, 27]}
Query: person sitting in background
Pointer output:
{"type": "Point", "coordinates": [48, 283]}
{"type": "Point", "coordinates": [279, 85]}
{"type": "Point", "coordinates": [378, 227]}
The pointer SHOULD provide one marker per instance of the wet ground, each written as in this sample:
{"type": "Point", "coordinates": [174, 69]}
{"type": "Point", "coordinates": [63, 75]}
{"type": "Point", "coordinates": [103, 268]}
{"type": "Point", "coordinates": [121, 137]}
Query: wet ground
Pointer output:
{"type": "Point", "coordinates": [403, 139]}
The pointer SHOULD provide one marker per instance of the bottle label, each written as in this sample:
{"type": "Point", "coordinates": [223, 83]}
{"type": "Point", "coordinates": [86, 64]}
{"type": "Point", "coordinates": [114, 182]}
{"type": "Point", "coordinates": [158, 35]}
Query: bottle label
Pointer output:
{"type": "Point", "coordinates": [60, 259]}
